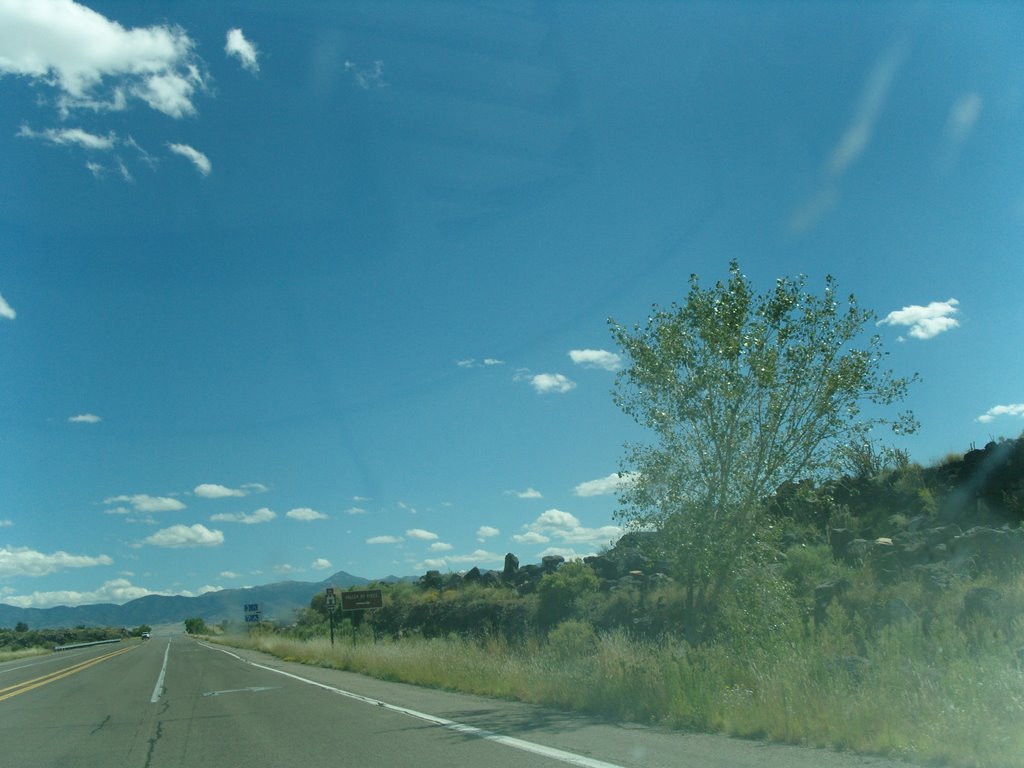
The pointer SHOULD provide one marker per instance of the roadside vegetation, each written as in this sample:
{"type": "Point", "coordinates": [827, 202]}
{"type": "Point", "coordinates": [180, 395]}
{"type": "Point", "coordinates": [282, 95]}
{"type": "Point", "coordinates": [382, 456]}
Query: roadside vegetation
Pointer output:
{"type": "Point", "coordinates": [785, 575]}
{"type": "Point", "coordinates": [21, 641]}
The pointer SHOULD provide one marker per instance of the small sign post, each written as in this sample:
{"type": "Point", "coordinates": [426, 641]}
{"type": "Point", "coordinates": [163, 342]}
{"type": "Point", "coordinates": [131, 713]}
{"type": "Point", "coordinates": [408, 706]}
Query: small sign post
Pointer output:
{"type": "Point", "coordinates": [330, 601]}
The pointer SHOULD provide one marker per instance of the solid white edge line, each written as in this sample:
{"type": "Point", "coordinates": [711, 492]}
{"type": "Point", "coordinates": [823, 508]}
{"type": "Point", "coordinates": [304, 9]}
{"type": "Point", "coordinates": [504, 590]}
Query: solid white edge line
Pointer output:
{"type": "Point", "coordinates": [471, 730]}
{"type": "Point", "coordinates": [159, 687]}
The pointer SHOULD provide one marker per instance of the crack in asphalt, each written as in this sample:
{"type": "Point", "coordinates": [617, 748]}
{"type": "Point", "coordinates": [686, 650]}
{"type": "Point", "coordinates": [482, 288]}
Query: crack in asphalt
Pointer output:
{"type": "Point", "coordinates": [153, 741]}
{"type": "Point", "coordinates": [100, 726]}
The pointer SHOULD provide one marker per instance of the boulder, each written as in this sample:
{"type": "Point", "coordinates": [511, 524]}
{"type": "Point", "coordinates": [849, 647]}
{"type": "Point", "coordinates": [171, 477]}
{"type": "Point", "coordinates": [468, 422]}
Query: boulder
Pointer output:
{"type": "Point", "coordinates": [511, 567]}
{"type": "Point", "coordinates": [550, 563]}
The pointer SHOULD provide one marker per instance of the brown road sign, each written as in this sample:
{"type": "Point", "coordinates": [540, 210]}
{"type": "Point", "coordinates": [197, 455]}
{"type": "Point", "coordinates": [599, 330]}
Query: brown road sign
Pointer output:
{"type": "Point", "coordinates": [367, 598]}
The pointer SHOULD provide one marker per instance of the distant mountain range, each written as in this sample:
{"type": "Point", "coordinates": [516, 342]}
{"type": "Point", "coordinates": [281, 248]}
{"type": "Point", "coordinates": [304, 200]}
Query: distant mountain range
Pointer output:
{"type": "Point", "coordinates": [277, 602]}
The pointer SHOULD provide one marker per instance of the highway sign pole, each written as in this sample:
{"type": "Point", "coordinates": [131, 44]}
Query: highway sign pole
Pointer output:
{"type": "Point", "coordinates": [329, 602]}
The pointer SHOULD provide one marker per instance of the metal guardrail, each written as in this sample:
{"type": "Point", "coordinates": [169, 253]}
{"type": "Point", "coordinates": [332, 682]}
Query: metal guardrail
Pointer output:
{"type": "Point", "coordinates": [84, 645]}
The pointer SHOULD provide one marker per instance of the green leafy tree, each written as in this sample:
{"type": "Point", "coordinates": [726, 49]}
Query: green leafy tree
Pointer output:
{"type": "Point", "coordinates": [562, 594]}
{"type": "Point", "coordinates": [195, 626]}
{"type": "Point", "coordinates": [744, 392]}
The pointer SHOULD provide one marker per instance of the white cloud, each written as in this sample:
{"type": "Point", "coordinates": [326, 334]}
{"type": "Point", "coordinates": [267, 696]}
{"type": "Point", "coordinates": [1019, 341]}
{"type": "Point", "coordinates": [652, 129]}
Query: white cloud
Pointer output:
{"type": "Point", "coordinates": [530, 537]}
{"type": "Point", "coordinates": [6, 310]}
{"type": "Point", "coordinates": [305, 514]}
{"type": "Point", "coordinates": [143, 503]}
{"type": "Point", "coordinates": [487, 532]}
{"type": "Point", "coordinates": [545, 383]}
{"type": "Point", "coordinates": [85, 418]}
{"type": "Point", "coordinates": [1015, 409]}
{"type": "Point", "coordinates": [476, 556]}
{"type": "Point", "coordinates": [23, 561]}
{"type": "Point", "coordinates": [245, 51]}
{"type": "Point", "coordinates": [493, 361]}
{"type": "Point", "coordinates": [6, 523]}
{"type": "Point", "coordinates": [964, 114]}
{"type": "Point", "coordinates": [384, 540]}
{"type": "Point", "coordinates": [596, 358]}
{"type": "Point", "coordinates": [117, 591]}
{"type": "Point", "coordinates": [285, 568]}
{"type": "Point", "coordinates": [262, 515]}
{"type": "Point", "coordinates": [255, 487]}
{"type": "Point", "coordinates": [185, 536]}
{"type": "Point", "coordinates": [95, 63]}
{"type": "Point", "coordinates": [604, 485]}
{"type": "Point", "coordinates": [440, 546]}
{"type": "Point", "coordinates": [529, 493]}
{"type": "Point", "coordinates": [65, 136]}
{"type": "Point", "coordinates": [925, 322]}
{"type": "Point", "coordinates": [229, 575]}
{"type": "Point", "coordinates": [321, 564]}
{"type": "Point", "coordinates": [208, 588]}
{"type": "Point", "coordinates": [435, 563]}
{"type": "Point", "coordinates": [556, 523]}
{"type": "Point", "coordinates": [361, 499]}
{"type": "Point", "coordinates": [422, 535]}
{"type": "Point", "coordinates": [467, 363]}
{"type": "Point", "coordinates": [215, 491]}
{"type": "Point", "coordinates": [197, 158]}
{"type": "Point", "coordinates": [355, 511]}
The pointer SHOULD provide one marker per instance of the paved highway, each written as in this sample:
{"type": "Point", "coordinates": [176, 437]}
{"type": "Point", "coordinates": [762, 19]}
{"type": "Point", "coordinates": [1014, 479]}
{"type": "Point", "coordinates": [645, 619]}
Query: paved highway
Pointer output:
{"type": "Point", "coordinates": [172, 701]}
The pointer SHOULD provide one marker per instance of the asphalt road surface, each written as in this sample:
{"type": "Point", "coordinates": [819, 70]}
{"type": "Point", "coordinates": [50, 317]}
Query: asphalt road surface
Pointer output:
{"type": "Point", "coordinates": [172, 701]}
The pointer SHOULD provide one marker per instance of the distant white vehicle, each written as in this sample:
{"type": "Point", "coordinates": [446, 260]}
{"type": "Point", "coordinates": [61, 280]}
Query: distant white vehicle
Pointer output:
{"type": "Point", "coordinates": [145, 635]}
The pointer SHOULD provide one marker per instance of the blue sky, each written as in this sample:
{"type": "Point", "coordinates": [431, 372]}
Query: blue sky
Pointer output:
{"type": "Point", "coordinates": [296, 288]}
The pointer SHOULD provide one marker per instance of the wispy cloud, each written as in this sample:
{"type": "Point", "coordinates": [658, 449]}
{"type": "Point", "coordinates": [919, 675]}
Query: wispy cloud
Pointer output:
{"type": "Point", "coordinates": [75, 136]}
{"type": "Point", "coordinates": [355, 511]}
{"type": "Point", "coordinates": [854, 140]}
{"type": "Point", "coordinates": [244, 50]}
{"type": "Point", "coordinates": [472, 362]}
{"type": "Point", "coordinates": [440, 546]}
{"type": "Point", "coordinates": [857, 135]}
{"type": "Point", "coordinates": [217, 491]}
{"type": "Point", "coordinates": [6, 310]}
{"type": "Point", "coordinates": [384, 540]}
{"type": "Point", "coordinates": [262, 515]}
{"type": "Point", "coordinates": [529, 493]}
{"type": "Point", "coordinates": [142, 502]}
{"type": "Point", "coordinates": [596, 358]}
{"type": "Point", "coordinates": [305, 514]}
{"type": "Point", "coordinates": [422, 535]}
{"type": "Point", "coordinates": [23, 561]}
{"type": "Point", "coordinates": [963, 116]}
{"type": "Point", "coordinates": [185, 537]}
{"type": "Point", "coordinates": [197, 158]}
{"type": "Point", "coordinates": [487, 532]}
{"type": "Point", "coordinates": [85, 418]}
{"type": "Point", "coordinates": [925, 322]}
{"type": "Point", "coordinates": [604, 485]}
{"type": "Point", "coordinates": [367, 77]}
{"type": "Point", "coordinates": [1014, 409]}
{"type": "Point", "coordinates": [95, 63]}
{"type": "Point", "coordinates": [6, 523]}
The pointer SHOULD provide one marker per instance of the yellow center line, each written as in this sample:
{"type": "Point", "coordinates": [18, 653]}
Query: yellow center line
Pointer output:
{"type": "Point", "coordinates": [28, 685]}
